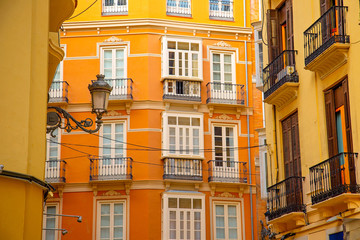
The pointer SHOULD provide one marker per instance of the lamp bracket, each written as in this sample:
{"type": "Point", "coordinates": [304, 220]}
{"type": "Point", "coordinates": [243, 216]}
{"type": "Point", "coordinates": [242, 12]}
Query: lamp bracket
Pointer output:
{"type": "Point", "coordinates": [54, 121]}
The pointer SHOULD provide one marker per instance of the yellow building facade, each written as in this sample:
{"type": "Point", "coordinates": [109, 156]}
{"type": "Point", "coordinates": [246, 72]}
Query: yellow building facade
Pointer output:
{"type": "Point", "coordinates": [30, 53]}
{"type": "Point", "coordinates": [175, 157]}
{"type": "Point", "coordinates": [310, 90]}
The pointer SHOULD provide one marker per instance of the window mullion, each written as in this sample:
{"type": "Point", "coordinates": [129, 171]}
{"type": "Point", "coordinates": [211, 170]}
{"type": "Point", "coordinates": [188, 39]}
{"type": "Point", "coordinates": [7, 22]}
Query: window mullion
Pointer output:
{"type": "Point", "coordinates": [222, 69]}
{"type": "Point", "coordinates": [177, 72]}
{"type": "Point", "coordinates": [113, 63]}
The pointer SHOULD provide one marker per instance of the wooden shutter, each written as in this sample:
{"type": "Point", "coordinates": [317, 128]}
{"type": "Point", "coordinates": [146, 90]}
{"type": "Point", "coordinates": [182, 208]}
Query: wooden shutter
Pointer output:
{"type": "Point", "coordinates": [324, 6]}
{"type": "Point", "coordinates": [286, 130]}
{"type": "Point", "coordinates": [289, 26]}
{"type": "Point", "coordinates": [330, 123]}
{"type": "Point", "coordinates": [273, 34]}
{"type": "Point", "coordinates": [295, 145]}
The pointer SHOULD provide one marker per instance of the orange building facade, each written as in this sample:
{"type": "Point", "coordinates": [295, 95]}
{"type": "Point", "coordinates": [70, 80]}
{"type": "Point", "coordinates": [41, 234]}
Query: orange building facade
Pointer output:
{"type": "Point", "coordinates": [173, 159]}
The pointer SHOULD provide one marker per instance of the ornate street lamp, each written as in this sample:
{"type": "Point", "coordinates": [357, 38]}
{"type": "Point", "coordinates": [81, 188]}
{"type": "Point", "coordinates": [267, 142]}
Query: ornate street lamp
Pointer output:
{"type": "Point", "coordinates": [100, 91]}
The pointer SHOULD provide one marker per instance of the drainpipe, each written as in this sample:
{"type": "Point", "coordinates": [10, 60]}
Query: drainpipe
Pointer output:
{"type": "Point", "coordinates": [248, 129]}
{"type": "Point", "coordinates": [276, 149]}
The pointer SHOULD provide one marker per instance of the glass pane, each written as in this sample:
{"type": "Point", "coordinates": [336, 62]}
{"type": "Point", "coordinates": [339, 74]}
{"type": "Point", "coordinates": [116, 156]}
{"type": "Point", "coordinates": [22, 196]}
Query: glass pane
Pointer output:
{"type": "Point", "coordinates": [51, 209]}
{"type": "Point", "coordinates": [227, 58]}
{"type": "Point", "coordinates": [118, 232]}
{"type": "Point", "coordinates": [118, 220]}
{"type": "Point", "coordinates": [172, 202]}
{"type": "Point", "coordinates": [220, 222]}
{"type": "Point", "coordinates": [107, 63]}
{"type": "Point", "coordinates": [184, 121]}
{"type": "Point", "coordinates": [105, 221]}
{"type": "Point", "coordinates": [120, 53]}
{"type": "Point", "coordinates": [172, 120]}
{"type": "Point", "coordinates": [105, 233]}
{"type": "Point", "coordinates": [120, 63]}
{"type": "Point", "coordinates": [172, 215]}
{"type": "Point", "coordinates": [107, 128]}
{"type": "Point", "coordinates": [232, 222]}
{"type": "Point", "coordinates": [219, 210]}
{"type": "Point", "coordinates": [197, 235]}
{"type": "Point", "coordinates": [216, 67]}
{"type": "Point", "coordinates": [227, 68]}
{"type": "Point", "coordinates": [105, 209]}
{"type": "Point", "coordinates": [197, 216]}
{"type": "Point", "coordinates": [195, 121]}
{"type": "Point", "coordinates": [184, 202]}
{"type": "Point", "coordinates": [233, 233]}
{"type": "Point", "coordinates": [107, 54]}
{"type": "Point", "coordinates": [118, 208]}
{"type": "Point", "coordinates": [196, 203]}
{"type": "Point", "coordinates": [50, 222]}
{"type": "Point", "coordinates": [183, 46]}
{"type": "Point", "coordinates": [220, 233]}
{"type": "Point", "coordinates": [119, 128]}
{"type": "Point", "coordinates": [108, 73]}
{"type": "Point", "coordinates": [120, 73]}
{"type": "Point", "coordinates": [216, 57]}
{"type": "Point", "coordinates": [216, 76]}
{"type": "Point", "coordinates": [194, 47]}
{"type": "Point", "coordinates": [232, 210]}
{"type": "Point", "coordinates": [171, 45]}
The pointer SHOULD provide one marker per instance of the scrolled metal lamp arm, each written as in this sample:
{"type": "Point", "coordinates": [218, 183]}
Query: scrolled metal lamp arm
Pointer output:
{"type": "Point", "coordinates": [68, 126]}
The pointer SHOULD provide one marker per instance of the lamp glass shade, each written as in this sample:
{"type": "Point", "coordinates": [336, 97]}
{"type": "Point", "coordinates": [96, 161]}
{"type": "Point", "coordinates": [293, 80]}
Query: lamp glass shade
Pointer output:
{"type": "Point", "coordinates": [100, 100]}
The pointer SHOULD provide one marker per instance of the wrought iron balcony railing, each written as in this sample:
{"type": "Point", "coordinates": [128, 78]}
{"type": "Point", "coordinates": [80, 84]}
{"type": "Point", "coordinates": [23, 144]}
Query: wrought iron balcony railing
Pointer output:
{"type": "Point", "coordinates": [182, 90]}
{"type": "Point", "coordinates": [221, 9]}
{"type": "Point", "coordinates": [178, 7]}
{"type": "Point", "coordinates": [183, 169]}
{"type": "Point", "coordinates": [55, 171]}
{"type": "Point", "coordinates": [281, 70]}
{"type": "Point", "coordinates": [122, 88]}
{"type": "Point", "coordinates": [58, 92]}
{"type": "Point", "coordinates": [227, 171]}
{"type": "Point", "coordinates": [225, 93]}
{"type": "Point", "coordinates": [111, 7]}
{"type": "Point", "coordinates": [330, 28]}
{"type": "Point", "coordinates": [333, 177]}
{"type": "Point", "coordinates": [285, 197]}
{"type": "Point", "coordinates": [107, 169]}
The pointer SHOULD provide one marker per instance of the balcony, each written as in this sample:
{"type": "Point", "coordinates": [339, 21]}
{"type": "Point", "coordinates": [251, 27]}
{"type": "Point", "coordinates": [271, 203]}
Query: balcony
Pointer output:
{"type": "Point", "coordinates": [58, 93]}
{"type": "Point", "coordinates": [111, 169]}
{"type": "Point", "coordinates": [227, 171]}
{"type": "Point", "coordinates": [182, 169]}
{"type": "Point", "coordinates": [333, 182]}
{"type": "Point", "coordinates": [55, 171]}
{"type": "Point", "coordinates": [285, 204]}
{"type": "Point", "coordinates": [281, 80]}
{"type": "Point", "coordinates": [221, 10]}
{"type": "Point", "coordinates": [114, 7]}
{"type": "Point", "coordinates": [179, 8]}
{"type": "Point", "coordinates": [326, 43]}
{"type": "Point", "coordinates": [121, 92]}
{"type": "Point", "coordinates": [182, 90]}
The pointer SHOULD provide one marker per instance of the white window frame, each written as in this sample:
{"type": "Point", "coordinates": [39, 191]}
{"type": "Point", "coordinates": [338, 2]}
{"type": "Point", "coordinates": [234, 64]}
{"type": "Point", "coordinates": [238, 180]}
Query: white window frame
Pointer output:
{"type": "Point", "coordinates": [258, 70]}
{"type": "Point", "coordinates": [60, 67]}
{"type": "Point", "coordinates": [98, 217]}
{"type": "Point", "coordinates": [166, 132]}
{"type": "Point", "coordinates": [165, 58]}
{"type": "Point", "coordinates": [113, 48]}
{"type": "Point", "coordinates": [166, 213]}
{"type": "Point", "coordinates": [235, 132]}
{"type": "Point", "coordinates": [101, 140]}
{"type": "Point", "coordinates": [233, 65]}
{"type": "Point", "coordinates": [263, 166]}
{"type": "Point", "coordinates": [238, 217]}
{"type": "Point", "coordinates": [48, 139]}
{"type": "Point", "coordinates": [57, 220]}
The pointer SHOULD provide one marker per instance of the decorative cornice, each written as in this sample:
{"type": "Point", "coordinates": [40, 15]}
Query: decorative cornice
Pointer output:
{"type": "Point", "coordinates": [112, 113]}
{"type": "Point", "coordinates": [169, 24]}
{"type": "Point", "coordinates": [226, 195]}
{"type": "Point", "coordinates": [222, 44]}
{"type": "Point", "coordinates": [112, 40]}
{"type": "Point", "coordinates": [224, 117]}
{"type": "Point", "coordinates": [111, 193]}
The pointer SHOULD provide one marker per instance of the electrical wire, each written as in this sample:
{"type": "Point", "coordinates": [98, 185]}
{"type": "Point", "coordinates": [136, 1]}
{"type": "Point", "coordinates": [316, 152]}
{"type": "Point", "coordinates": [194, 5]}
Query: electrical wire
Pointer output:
{"type": "Point", "coordinates": [157, 149]}
{"type": "Point", "coordinates": [83, 11]}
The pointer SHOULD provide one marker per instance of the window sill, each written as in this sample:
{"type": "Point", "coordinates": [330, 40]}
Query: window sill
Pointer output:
{"type": "Point", "coordinates": [222, 19]}
{"type": "Point", "coordinates": [178, 15]}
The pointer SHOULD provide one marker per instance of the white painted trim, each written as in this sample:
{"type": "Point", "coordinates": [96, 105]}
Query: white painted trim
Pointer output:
{"type": "Point", "coordinates": [165, 211]}
{"type": "Point", "coordinates": [156, 23]}
{"type": "Point", "coordinates": [57, 219]}
{"type": "Point", "coordinates": [221, 121]}
{"type": "Point", "coordinates": [165, 56]}
{"type": "Point", "coordinates": [165, 135]}
{"type": "Point", "coordinates": [98, 200]}
{"type": "Point", "coordinates": [222, 125]}
{"type": "Point", "coordinates": [112, 136]}
{"type": "Point", "coordinates": [238, 216]}
{"type": "Point", "coordinates": [113, 49]}
{"type": "Point", "coordinates": [222, 63]}
{"type": "Point", "coordinates": [57, 139]}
